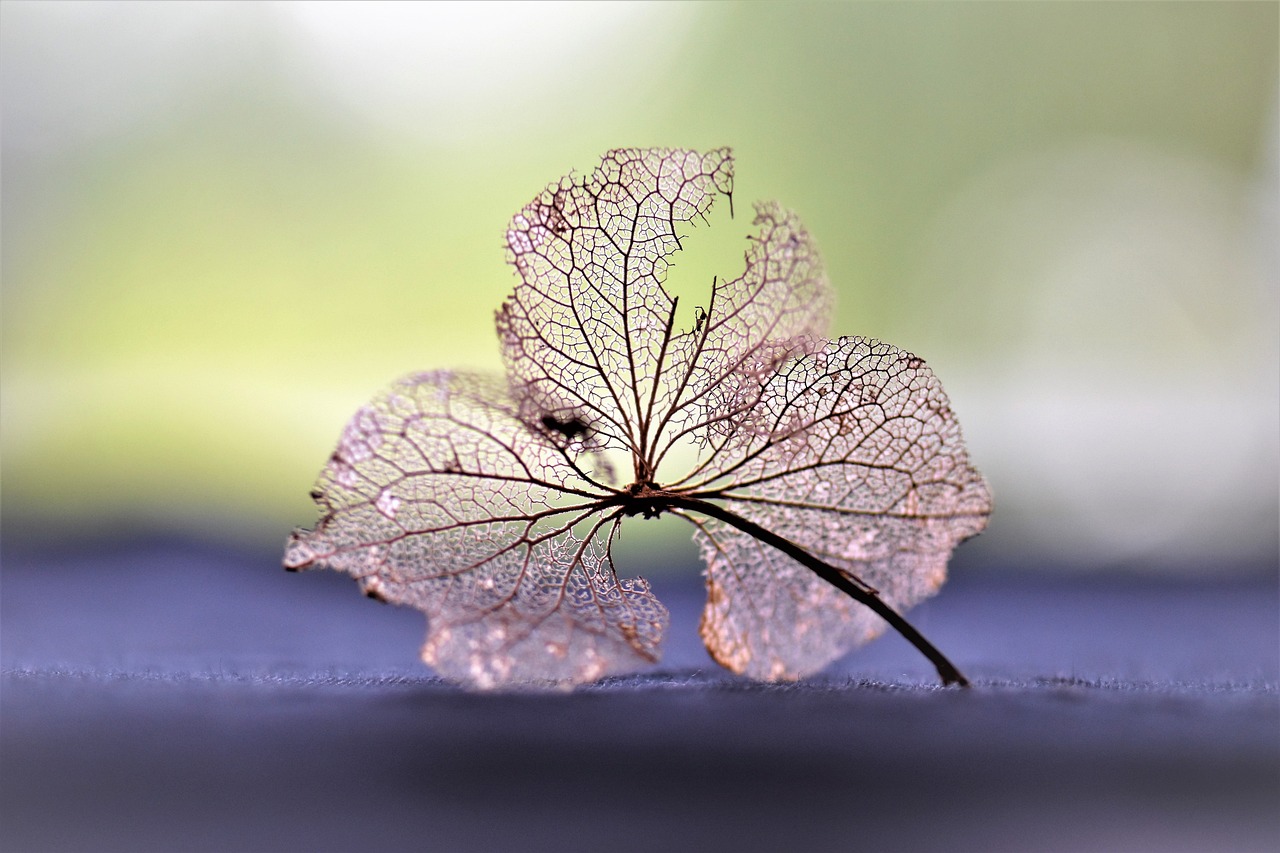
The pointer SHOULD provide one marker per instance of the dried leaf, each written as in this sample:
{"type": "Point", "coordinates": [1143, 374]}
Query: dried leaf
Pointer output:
{"type": "Point", "coordinates": [830, 488]}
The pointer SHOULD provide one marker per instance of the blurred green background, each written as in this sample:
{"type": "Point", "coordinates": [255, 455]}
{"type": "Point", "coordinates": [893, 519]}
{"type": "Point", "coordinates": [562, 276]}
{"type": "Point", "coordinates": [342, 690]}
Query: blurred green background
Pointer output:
{"type": "Point", "coordinates": [225, 226]}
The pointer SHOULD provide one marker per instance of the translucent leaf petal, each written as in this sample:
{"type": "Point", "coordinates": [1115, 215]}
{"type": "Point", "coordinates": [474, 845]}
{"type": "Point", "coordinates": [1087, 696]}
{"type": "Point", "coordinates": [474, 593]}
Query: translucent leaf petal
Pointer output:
{"type": "Point", "coordinates": [778, 307]}
{"type": "Point", "coordinates": [852, 453]}
{"type": "Point", "coordinates": [587, 330]}
{"type": "Point", "coordinates": [440, 497]}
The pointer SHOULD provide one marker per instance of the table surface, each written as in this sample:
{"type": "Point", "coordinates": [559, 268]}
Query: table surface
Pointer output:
{"type": "Point", "coordinates": [162, 695]}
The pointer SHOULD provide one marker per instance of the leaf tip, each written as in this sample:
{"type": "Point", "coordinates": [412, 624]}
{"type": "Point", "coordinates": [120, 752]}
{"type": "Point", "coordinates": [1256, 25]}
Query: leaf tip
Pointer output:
{"type": "Point", "coordinates": [298, 555]}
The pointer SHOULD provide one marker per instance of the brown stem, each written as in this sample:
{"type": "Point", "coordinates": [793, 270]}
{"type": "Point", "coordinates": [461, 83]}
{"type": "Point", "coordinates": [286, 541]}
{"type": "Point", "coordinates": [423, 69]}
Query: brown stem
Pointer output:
{"type": "Point", "coordinates": [855, 589]}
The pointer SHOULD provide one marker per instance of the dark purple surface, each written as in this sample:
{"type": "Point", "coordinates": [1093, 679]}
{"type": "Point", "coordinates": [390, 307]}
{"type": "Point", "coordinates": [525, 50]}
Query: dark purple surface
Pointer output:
{"type": "Point", "coordinates": [178, 697]}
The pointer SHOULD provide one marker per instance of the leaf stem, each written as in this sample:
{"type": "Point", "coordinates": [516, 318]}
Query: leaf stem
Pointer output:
{"type": "Point", "coordinates": [849, 585]}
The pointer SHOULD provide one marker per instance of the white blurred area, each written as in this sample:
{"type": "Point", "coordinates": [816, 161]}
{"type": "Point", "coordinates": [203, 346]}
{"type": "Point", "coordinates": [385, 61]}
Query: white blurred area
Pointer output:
{"type": "Point", "coordinates": [447, 72]}
{"type": "Point", "coordinates": [1103, 308]}
{"type": "Point", "coordinates": [1120, 375]}
{"type": "Point", "coordinates": [79, 70]}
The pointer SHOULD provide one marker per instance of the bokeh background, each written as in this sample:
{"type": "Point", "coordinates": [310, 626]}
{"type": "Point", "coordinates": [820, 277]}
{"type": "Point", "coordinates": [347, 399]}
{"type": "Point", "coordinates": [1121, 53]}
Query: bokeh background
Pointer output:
{"type": "Point", "coordinates": [225, 226]}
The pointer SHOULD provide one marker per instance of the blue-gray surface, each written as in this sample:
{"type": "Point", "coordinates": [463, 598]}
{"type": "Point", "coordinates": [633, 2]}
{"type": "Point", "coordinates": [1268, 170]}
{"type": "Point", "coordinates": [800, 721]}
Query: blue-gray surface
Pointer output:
{"type": "Point", "coordinates": [174, 697]}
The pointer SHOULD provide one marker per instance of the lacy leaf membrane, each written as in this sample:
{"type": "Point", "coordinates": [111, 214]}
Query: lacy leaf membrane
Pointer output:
{"type": "Point", "coordinates": [490, 504]}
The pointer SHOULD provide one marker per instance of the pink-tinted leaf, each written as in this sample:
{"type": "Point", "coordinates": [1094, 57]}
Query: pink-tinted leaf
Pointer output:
{"type": "Point", "coordinates": [830, 487]}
